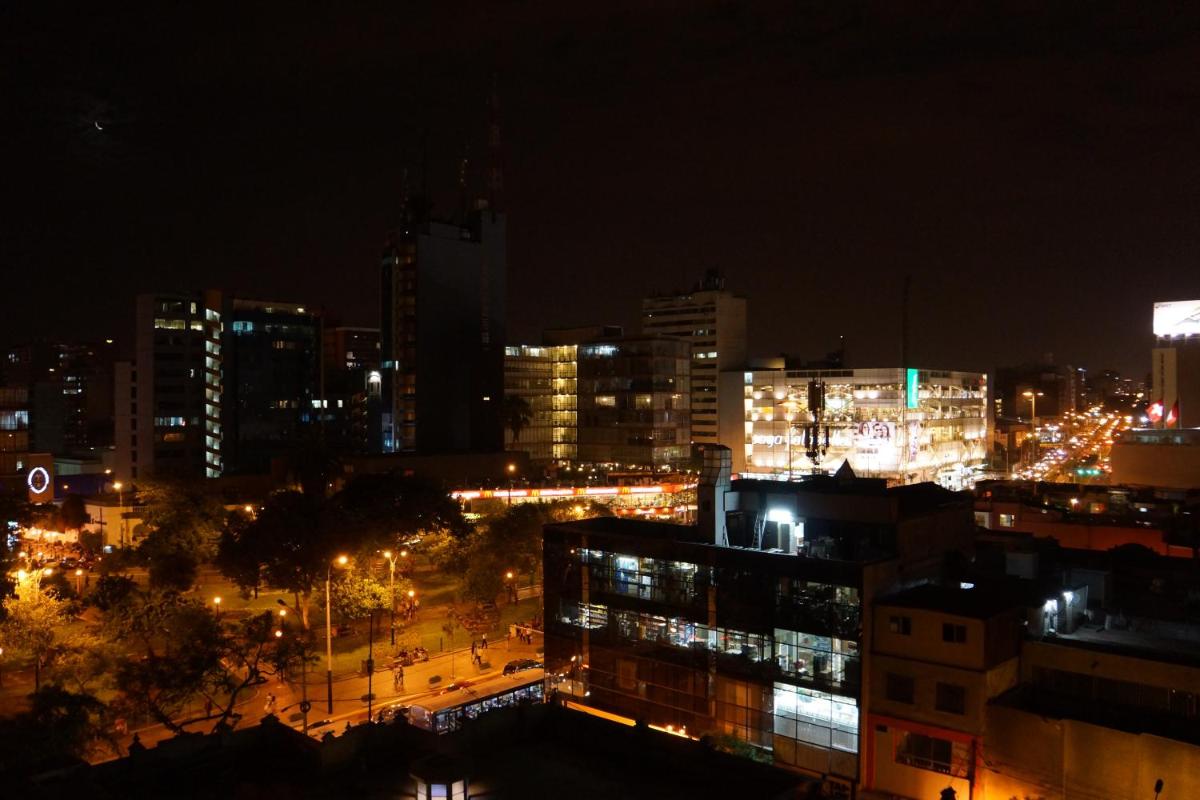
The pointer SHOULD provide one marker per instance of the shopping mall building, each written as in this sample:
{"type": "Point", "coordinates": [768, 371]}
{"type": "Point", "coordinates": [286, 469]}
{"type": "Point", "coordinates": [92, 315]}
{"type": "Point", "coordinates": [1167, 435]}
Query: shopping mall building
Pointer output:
{"type": "Point", "coordinates": [904, 425]}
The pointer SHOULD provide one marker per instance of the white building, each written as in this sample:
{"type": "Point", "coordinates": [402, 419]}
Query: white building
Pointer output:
{"type": "Point", "coordinates": [713, 320]}
{"type": "Point", "coordinates": [903, 425]}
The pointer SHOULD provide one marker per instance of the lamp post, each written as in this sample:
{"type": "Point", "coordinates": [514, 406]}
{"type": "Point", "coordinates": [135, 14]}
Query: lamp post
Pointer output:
{"type": "Point", "coordinates": [411, 603]}
{"type": "Point", "coordinates": [512, 468]}
{"type": "Point", "coordinates": [392, 589]}
{"type": "Point", "coordinates": [305, 706]}
{"type": "Point", "coordinates": [120, 512]}
{"type": "Point", "coordinates": [78, 577]}
{"type": "Point", "coordinates": [1032, 396]}
{"type": "Point", "coordinates": [341, 562]}
{"type": "Point", "coordinates": [217, 605]}
{"type": "Point", "coordinates": [508, 584]}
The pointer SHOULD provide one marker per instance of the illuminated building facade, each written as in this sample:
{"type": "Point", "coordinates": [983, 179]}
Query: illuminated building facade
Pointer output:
{"type": "Point", "coordinates": [1176, 365]}
{"type": "Point", "coordinates": [170, 399]}
{"type": "Point", "coordinates": [906, 426]}
{"type": "Point", "coordinates": [70, 390]}
{"type": "Point", "coordinates": [748, 625]}
{"type": "Point", "coordinates": [712, 320]}
{"type": "Point", "coordinates": [544, 376]}
{"type": "Point", "coordinates": [442, 335]}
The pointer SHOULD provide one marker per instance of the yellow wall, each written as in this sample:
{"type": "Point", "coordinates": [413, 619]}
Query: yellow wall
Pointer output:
{"type": "Point", "coordinates": [925, 641]}
{"type": "Point", "coordinates": [1107, 665]}
{"type": "Point", "coordinates": [1045, 759]}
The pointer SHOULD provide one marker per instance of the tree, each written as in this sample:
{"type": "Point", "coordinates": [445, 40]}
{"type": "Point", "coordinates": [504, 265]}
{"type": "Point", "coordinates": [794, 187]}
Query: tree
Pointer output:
{"type": "Point", "coordinates": [355, 596]}
{"type": "Point", "coordinates": [184, 523]}
{"type": "Point", "coordinates": [517, 414]}
{"type": "Point", "coordinates": [60, 728]}
{"type": "Point", "coordinates": [289, 546]}
{"type": "Point", "coordinates": [74, 513]}
{"type": "Point", "coordinates": [384, 508]}
{"type": "Point", "coordinates": [32, 623]}
{"type": "Point", "coordinates": [187, 667]}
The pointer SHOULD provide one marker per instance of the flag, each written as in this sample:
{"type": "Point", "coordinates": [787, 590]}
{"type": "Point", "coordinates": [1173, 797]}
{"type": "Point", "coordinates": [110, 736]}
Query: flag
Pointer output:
{"type": "Point", "coordinates": [1174, 415]}
{"type": "Point", "coordinates": [1155, 411]}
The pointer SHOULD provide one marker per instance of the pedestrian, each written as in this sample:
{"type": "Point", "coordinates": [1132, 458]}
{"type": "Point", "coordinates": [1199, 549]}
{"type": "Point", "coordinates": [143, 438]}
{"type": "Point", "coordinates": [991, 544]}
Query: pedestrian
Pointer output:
{"type": "Point", "coordinates": [269, 708]}
{"type": "Point", "coordinates": [472, 648]}
{"type": "Point", "coordinates": [484, 645]}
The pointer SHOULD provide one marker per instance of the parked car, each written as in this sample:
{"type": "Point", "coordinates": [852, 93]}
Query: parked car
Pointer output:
{"type": "Point", "coordinates": [394, 713]}
{"type": "Point", "coordinates": [520, 665]}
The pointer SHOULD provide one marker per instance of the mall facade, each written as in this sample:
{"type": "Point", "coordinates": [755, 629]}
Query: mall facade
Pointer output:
{"type": "Point", "coordinates": [902, 425]}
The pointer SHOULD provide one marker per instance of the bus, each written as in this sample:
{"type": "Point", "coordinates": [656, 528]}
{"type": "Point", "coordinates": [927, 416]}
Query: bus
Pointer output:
{"type": "Point", "coordinates": [448, 709]}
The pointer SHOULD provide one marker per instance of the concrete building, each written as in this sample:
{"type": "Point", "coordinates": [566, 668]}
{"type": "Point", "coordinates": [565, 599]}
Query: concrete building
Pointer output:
{"type": "Point", "coordinates": [903, 425]}
{"type": "Point", "coordinates": [749, 625]}
{"type": "Point", "coordinates": [353, 390]}
{"type": "Point", "coordinates": [712, 320]}
{"type": "Point", "coordinates": [442, 335]}
{"type": "Point", "coordinates": [940, 655]}
{"type": "Point", "coordinates": [1055, 389]}
{"type": "Point", "coordinates": [1175, 382]}
{"type": "Point", "coordinates": [1164, 457]}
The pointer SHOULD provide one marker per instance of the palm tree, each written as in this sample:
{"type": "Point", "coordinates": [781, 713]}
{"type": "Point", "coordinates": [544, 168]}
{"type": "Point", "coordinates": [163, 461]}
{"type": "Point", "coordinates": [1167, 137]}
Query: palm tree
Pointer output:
{"type": "Point", "coordinates": [517, 414]}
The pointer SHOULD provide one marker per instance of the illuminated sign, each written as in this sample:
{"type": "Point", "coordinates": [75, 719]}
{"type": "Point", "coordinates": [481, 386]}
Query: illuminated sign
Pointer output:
{"type": "Point", "coordinates": [1181, 318]}
{"type": "Point", "coordinates": [911, 392]}
{"type": "Point", "coordinates": [38, 480]}
{"type": "Point", "coordinates": [770, 440]}
{"type": "Point", "coordinates": [876, 431]}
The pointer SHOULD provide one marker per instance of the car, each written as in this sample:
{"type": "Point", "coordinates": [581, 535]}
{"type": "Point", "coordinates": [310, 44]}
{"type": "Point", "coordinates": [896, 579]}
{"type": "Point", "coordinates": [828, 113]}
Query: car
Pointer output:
{"type": "Point", "coordinates": [520, 665]}
{"type": "Point", "coordinates": [394, 712]}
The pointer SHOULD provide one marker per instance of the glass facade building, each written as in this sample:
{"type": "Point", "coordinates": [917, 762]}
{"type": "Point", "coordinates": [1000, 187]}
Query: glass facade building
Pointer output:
{"type": "Point", "coordinates": [678, 627]}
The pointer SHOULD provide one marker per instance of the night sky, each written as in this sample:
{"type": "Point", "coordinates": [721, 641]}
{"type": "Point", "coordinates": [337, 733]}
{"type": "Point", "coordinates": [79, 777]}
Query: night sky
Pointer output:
{"type": "Point", "coordinates": [1037, 172]}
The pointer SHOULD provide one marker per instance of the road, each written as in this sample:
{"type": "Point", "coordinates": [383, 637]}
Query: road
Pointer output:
{"type": "Point", "coordinates": [1087, 440]}
{"type": "Point", "coordinates": [349, 693]}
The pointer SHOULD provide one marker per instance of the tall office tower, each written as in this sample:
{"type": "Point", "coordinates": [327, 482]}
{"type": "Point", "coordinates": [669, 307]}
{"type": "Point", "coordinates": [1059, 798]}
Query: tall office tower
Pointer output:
{"type": "Point", "coordinates": [169, 399]}
{"type": "Point", "coordinates": [353, 387]}
{"type": "Point", "coordinates": [272, 365]}
{"type": "Point", "coordinates": [713, 321]}
{"type": "Point", "coordinates": [442, 335]}
{"type": "Point", "coordinates": [632, 399]}
{"type": "Point", "coordinates": [1175, 394]}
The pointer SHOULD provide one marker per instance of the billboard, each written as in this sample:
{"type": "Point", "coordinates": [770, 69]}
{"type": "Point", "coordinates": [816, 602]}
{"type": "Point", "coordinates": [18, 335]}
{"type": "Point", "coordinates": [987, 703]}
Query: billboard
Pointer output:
{"type": "Point", "coordinates": [912, 388]}
{"type": "Point", "coordinates": [1180, 318]}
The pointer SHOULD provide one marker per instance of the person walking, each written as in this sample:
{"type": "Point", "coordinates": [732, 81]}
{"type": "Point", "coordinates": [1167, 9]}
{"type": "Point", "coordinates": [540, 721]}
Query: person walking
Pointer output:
{"type": "Point", "coordinates": [269, 708]}
{"type": "Point", "coordinates": [484, 644]}
{"type": "Point", "coordinates": [472, 648]}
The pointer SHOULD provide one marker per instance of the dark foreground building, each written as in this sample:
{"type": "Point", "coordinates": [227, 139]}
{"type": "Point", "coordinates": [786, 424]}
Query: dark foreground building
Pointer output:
{"type": "Point", "coordinates": [541, 751]}
{"type": "Point", "coordinates": [747, 627]}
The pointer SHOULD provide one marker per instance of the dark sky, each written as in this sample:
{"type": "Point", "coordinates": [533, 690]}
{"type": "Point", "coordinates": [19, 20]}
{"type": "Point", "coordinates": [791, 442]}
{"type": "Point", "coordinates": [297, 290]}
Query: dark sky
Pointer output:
{"type": "Point", "coordinates": [1036, 171]}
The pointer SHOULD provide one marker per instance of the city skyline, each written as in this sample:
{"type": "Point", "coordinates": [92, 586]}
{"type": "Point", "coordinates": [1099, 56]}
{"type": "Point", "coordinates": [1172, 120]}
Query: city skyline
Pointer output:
{"type": "Point", "coordinates": [1049, 153]}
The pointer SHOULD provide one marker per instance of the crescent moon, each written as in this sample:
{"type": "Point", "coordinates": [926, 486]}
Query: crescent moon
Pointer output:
{"type": "Point", "coordinates": [97, 124]}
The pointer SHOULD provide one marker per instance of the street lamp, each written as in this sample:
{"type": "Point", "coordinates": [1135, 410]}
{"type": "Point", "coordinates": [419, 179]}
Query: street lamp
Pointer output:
{"type": "Point", "coordinates": [392, 588]}
{"type": "Point", "coordinates": [217, 605]}
{"type": "Point", "coordinates": [411, 602]}
{"type": "Point", "coordinates": [120, 487]}
{"type": "Point", "coordinates": [508, 577]}
{"type": "Point", "coordinates": [341, 561]}
{"type": "Point", "coordinates": [78, 575]}
{"type": "Point", "coordinates": [1032, 396]}
{"type": "Point", "coordinates": [305, 706]}
{"type": "Point", "coordinates": [512, 468]}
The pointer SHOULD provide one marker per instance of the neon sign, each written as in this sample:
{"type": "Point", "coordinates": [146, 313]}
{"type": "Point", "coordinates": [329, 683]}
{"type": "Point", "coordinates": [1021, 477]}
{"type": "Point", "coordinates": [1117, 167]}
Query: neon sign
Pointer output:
{"type": "Point", "coordinates": [38, 480]}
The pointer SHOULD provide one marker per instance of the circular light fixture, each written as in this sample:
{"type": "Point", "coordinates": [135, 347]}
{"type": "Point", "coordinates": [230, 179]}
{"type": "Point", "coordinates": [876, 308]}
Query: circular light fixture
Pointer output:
{"type": "Point", "coordinates": [38, 480]}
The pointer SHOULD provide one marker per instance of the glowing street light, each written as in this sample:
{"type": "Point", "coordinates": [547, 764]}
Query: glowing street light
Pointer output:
{"type": "Point", "coordinates": [340, 561]}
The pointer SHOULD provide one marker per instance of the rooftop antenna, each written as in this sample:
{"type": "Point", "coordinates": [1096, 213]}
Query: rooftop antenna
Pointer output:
{"type": "Point", "coordinates": [462, 185]}
{"type": "Point", "coordinates": [495, 181]}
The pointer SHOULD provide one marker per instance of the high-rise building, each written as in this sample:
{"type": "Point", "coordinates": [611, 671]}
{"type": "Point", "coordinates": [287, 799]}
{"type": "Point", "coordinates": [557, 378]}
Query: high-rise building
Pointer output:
{"type": "Point", "coordinates": [442, 335]}
{"type": "Point", "coordinates": [272, 366]}
{"type": "Point", "coordinates": [1054, 389]}
{"type": "Point", "coordinates": [904, 425]}
{"type": "Point", "coordinates": [1176, 365]}
{"type": "Point", "coordinates": [712, 320]}
{"type": "Point", "coordinates": [169, 401]}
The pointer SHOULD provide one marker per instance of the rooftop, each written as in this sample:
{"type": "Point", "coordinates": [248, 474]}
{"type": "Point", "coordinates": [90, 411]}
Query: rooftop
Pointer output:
{"type": "Point", "coordinates": [980, 602]}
